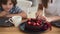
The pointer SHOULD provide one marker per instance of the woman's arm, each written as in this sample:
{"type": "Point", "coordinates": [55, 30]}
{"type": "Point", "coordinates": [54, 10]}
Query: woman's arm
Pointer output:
{"type": "Point", "coordinates": [50, 18]}
{"type": "Point", "coordinates": [53, 18]}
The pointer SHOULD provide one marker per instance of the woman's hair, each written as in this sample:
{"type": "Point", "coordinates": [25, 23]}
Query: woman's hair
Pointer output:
{"type": "Point", "coordinates": [45, 3]}
{"type": "Point", "coordinates": [5, 2]}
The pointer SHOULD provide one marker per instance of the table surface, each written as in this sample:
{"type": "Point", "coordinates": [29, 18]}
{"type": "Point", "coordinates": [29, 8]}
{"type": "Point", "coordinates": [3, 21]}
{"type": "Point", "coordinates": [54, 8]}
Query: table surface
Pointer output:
{"type": "Point", "coordinates": [15, 30]}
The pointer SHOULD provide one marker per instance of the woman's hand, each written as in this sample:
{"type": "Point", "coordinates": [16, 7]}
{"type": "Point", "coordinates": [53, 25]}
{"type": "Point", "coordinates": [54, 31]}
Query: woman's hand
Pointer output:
{"type": "Point", "coordinates": [39, 15]}
{"type": "Point", "coordinates": [42, 17]}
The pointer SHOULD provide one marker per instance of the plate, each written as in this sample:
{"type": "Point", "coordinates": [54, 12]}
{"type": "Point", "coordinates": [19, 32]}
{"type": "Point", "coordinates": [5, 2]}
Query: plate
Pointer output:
{"type": "Point", "coordinates": [22, 28]}
{"type": "Point", "coordinates": [56, 23]}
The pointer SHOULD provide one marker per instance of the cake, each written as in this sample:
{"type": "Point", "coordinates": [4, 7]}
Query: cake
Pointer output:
{"type": "Point", "coordinates": [36, 25]}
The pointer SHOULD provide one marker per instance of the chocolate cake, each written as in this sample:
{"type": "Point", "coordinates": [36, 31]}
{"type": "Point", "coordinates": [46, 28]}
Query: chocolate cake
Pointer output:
{"type": "Point", "coordinates": [36, 25]}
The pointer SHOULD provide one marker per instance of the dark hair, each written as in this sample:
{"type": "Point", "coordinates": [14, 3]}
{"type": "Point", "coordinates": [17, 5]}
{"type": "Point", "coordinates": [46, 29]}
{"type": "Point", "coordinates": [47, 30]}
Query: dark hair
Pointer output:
{"type": "Point", "coordinates": [45, 3]}
{"type": "Point", "coordinates": [5, 2]}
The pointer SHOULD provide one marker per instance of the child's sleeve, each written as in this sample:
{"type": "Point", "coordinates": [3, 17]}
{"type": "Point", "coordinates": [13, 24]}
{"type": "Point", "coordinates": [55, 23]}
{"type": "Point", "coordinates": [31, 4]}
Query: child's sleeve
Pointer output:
{"type": "Point", "coordinates": [0, 9]}
{"type": "Point", "coordinates": [18, 10]}
{"type": "Point", "coordinates": [15, 10]}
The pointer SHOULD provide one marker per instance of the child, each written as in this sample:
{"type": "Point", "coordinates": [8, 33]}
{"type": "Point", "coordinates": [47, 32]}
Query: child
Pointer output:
{"type": "Point", "coordinates": [8, 9]}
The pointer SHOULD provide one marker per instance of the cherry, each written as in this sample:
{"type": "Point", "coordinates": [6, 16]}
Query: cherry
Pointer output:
{"type": "Point", "coordinates": [34, 24]}
{"type": "Point", "coordinates": [38, 24]}
{"type": "Point", "coordinates": [29, 22]}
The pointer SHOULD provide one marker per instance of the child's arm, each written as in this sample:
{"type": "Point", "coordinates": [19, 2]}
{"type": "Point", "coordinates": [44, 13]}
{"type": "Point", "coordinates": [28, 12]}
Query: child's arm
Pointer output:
{"type": "Point", "coordinates": [23, 14]}
{"type": "Point", "coordinates": [3, 13]}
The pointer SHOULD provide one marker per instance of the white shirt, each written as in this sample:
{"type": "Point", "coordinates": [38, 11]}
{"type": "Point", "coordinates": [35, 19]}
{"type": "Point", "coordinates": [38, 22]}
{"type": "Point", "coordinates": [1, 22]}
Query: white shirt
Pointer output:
{"type": "Point", "coordinates": [54, 8]}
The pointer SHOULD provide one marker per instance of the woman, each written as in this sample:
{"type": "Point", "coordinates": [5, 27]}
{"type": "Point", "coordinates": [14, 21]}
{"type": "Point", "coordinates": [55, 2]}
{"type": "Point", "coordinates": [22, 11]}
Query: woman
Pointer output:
{"type": "Point", "coordinates": [53, 9]}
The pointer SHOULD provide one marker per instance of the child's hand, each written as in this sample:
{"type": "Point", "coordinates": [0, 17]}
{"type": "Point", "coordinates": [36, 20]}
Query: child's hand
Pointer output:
{"type": "Point", "coordinates": [3, 13]}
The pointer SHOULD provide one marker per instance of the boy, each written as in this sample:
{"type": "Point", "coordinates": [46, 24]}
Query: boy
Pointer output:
{"type": "Point", "coordinates": [8, 9]}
